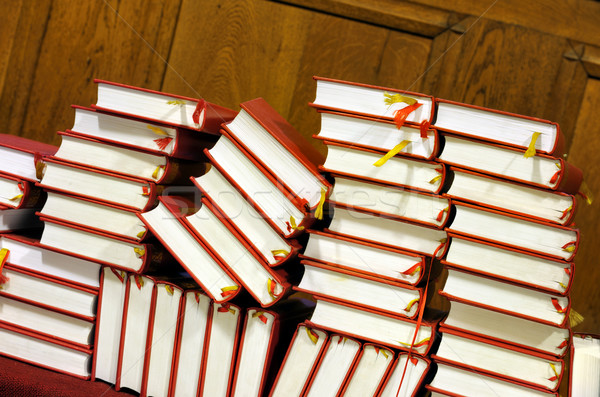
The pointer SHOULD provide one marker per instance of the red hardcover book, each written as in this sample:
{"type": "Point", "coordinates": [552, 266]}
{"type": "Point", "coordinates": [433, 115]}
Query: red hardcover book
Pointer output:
{"type": "Point", "coordinates": [456, 381]}
{"type": "Point", "coordinates": [124, 191]}
{"type": "Point", "coordinates": [369, 372]}
{"type": "Point", "coordinates": [408, 173]}
{"type": "Point", "coordinates": [500, 360]}
{"type": "Point", "coordinates": [286, 214]}
{"type": "Point", "coordinates": [540, 170]}
{"type": "Point", "coordinates": [546, 239]}
{"type": "Point", "coordinates": [509, 264]}
{"type": "Point", "coordinates": [307, 345]}
{"type": "Point", "coordinates": [506, 195]}
{"type": "Point", "coordinates": [44, 351]}
{"type": "Point", "coordinates": [371, 100]}
{"type": "Point", "coordinates": [95, 215]}
{"type": "Point", "coordinates": [390, 201]}
{"type": "Point", "coordinates": [161, 339]}
{"type": "Point", "coordinates": [361, 290]}
{"type": "Point", "coordinates": [198, 260]}
{"type": "Point", "coordinates": [102, 248]}
{"type": "Point", "coordinates": [583, 368]}
{"type": "Point", "coordinates": [116, 158]}
{"type": "Point", "coordinates": [48, 293]}
{"type": "Point", "coordinates": [218, 364]}
{"type": "Point", "coordinates": [171, 109]}
{"type": "Point", "coordinates": [334, 366]}
{"type": "Point", "coordinates": [407, 376]}
{"type": "Point", "coordinates": [18, 193]}
{"type": "Point", "coordinates": [280, 149]}
{"type": "Point", "coordinates": [27, 253]}
{"type": "Point", "coordinates": [373, 326]}
{"type": "Point", "coordinates": [377, 134]}
{"type": "Point", "coordinates": [499, 127]}
{"type": "Point", "coordinates": [21, 156]}
{"type": "Point", "coordinates": [265, 284]}
{"type": "Point", "coordinates": [132, 133]}
{"type": "Point", "coordinates": [348, 253]}
{"type": "Point", "coordinates": [232, 208]}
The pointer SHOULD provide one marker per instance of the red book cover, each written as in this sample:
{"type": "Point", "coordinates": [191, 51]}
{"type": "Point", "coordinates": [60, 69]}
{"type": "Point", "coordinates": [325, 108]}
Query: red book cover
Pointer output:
{"type": "Point", "coordinates": [36, 149]}
{"type": "Point", "coordinates": [428, 116]}
{"type": "Point", "coordinates": [278, 275]}
{"type": "Point", "coordinates": [151, 255]}
{"type": "Point", "coordinates": [48, 340]}
{"type": "Point", "coordinates": [306, 222]}
{"type": "Point", "coordinates": [286, 136]}
{"type": "Point", "coordinates": [419, 264]}
{"type": "Point", "coordinates": [213, 204]}
{"type": "Point", "coordinates": [401, 376]}
{"type": "Point", "coordinates": [29, 196]}
{"type": "Point", "coordinates": [26, 299]}
{"type": "Point", "coordinates": [147, 189]}
{"type": "Point", "coordinates": [567, 179]}
{"type": "Point", "coordinates": [568, 215]}
{"type": "Point", "coordinates": [570, 248]}
{"type": "Point", "coordinates": [174, 206]}
{"type": "Point", "coordinates": [570, 270]}
{"type": "Point", "coordinates": [556, 379]}
{"type": "Point", "coordinates": [187, 144]}
{"type": "Point", "coordinates": [207, 116]}
{"type": "Point", "coordinates": [592, 355]}
{"type": "Point", "coordinates": [557, 145]}
{"type": "Point", "coordinates": [410, 311]}
{"type": "Point", "coordinates": [437, 183]}
{"type": "Point", "coordinates": [173, 170]}
{"type": "Point", "coordinates": [432, 137]}
{"type": "Point", "coordinates": [389, 354]}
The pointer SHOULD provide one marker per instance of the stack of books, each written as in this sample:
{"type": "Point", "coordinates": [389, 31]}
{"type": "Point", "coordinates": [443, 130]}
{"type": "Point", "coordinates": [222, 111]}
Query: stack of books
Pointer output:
{"type": "Point", "coordinates": [510, 258]}
{"type": "Point", "coordinates": [369, 269]}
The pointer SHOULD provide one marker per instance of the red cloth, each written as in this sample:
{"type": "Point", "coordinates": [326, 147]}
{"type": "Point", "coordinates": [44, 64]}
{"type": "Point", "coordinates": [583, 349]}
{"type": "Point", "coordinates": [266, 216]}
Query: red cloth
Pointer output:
{"type": "Point", "coordinates": [24, 380]}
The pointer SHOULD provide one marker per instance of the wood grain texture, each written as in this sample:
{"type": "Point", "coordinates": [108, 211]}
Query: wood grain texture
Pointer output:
{"type": "Point", "coordinates": [8, 30]}
{"type": "Point", "coordinates": [61, 47]}
{"type": "Point", "coordinates": [403, 16]}
{"type": "Point", "coordinates": [584, 151]}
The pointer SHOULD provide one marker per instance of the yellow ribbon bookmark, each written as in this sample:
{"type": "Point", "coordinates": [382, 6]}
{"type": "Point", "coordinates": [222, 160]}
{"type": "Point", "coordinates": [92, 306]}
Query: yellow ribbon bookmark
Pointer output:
{"type": "Point", "coordinates": [530, 152]}
{"type": "Point", "coordinates": [261, 316]}
{"type": "Point", "coordinates": [141, 234]}
{"type": "Point", "coordinates": [176, 102]}
{"type": "Point", "coordinates": [271, 285]}
{"type": "Point", "coordinates": [555, 377]}
{"type": "Point", "coordinates": [390, 99]}
{"type": "Point", "coordinates": [575, 318]}
{"type": "Point", "coordinates": [313, 336]}
{"type": "Point", "coordinates": [586, 193]}
{"type": "Point", "coordinates": [157, 130]}
{"type": "Point", "coordinates": [277, 253]}
{"type": "Point", "coordinates": [169, 289]}
{"type": "Point", "coordinates": [411, 304]}
{"type": "Point", "coordinates": [419, 344]}
{"type": "Point", "coordinates": [17, 197]}
{"type": "Point", "coordinates": [139, 251]}
{"type": "Point", "coordinates": [292, 225]}
{"type": "Point", "coordinates": [139, 281]}
{"type": "Point", "coordinates": [394, 151]}
{"type": "Point", "coordinates": [156, 171]}
{"type": "Point", "coordinates": [3, 257]}
{"type": "Point", "coordinates": [226, 291]}
{"type": "Point", "coordinates": [319, 210]}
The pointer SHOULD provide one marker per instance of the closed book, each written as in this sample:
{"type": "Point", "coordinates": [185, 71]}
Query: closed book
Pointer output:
{"type": "Point", "coordinates": [407, 376]}
{"type": "Point", "coordinates": [45, 352]}
{"type": "Point", "coordinates": [501, 360]}
{"type": "Point", "coordinates": [369, 371]}
{"type": "Point", "coordinates": [584, 364]}
{"type": "Point", "coordinates": [452, 380]}
{"type": "Point", "coordinates": [286, 214]}
{"type": "Point", "coordinates": [150, 137]}
{"type": "Point", "coordinates": [371, 100]}
{"type": "Point", "coordinates": [275, 144]}
{"type": "Point", "coordinates": [19, 193]}
{"type": "Point", "coordinates": [102, 248]}
{"type": "Point", "coordinates": [369, 258]}
{"type": "Point", "coordinates": [378, 134]}
{"type": "Point", "coordinates": [161, 169]}
{"type": "Point", "coordinates": [191, 253]}
{"type": "Point", "coordinates": [129, 192]}
{"type": "Point", "coordinates": [549, 240]}
{"type": "Point", "coordinates": [27, 253]}
{"type": "Point", "coordinates": [500, 127]}
{"type": "Point", "coordinates": [505, 195]}
{"type": "Point", "coordinates": [171, 109]}
{"type": "Point", "coordinates": [507, 162]}
{"type": "Point", "coordinates": [21, 156]}
{"type": "Point", "coordinates": [230, 206]}
{"type": "Point", "coordinates": [554, 276]}
{"type": "Point", "coordinates": [95, 215]}
{"type": "Point", "coordinates": [403, 172]}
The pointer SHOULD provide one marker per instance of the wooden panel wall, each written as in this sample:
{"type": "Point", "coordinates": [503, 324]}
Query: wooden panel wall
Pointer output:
{"type": "Point", "coordinates": [528, 58]}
